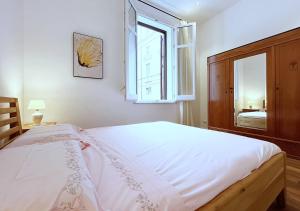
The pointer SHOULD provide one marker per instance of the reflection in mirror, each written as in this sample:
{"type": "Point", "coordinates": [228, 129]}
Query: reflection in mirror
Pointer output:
{"type": "Point", "coordinates": [250, 98]}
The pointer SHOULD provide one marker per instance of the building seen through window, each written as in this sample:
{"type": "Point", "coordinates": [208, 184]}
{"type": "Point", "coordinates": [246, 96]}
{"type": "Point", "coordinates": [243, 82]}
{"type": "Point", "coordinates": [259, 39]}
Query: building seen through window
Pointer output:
{"type": "Point", "coordinates": [151, 44]}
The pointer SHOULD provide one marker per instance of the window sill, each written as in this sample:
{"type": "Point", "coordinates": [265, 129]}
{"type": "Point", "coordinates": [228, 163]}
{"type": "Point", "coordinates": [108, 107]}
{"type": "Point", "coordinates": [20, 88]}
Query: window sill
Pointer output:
{"type": "Point", "coordinates": [155, 102]}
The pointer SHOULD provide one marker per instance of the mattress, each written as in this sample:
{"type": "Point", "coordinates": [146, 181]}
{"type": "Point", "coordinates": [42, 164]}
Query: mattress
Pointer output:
{"type": "Point", "coordinates": [252, 120]}
{"type": "Point", "coordinates": [166, 166]}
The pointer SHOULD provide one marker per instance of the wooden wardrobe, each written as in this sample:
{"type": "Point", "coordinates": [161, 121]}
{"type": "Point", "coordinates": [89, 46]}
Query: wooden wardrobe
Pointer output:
{"type": "Point", "coordinates": [278, 107]}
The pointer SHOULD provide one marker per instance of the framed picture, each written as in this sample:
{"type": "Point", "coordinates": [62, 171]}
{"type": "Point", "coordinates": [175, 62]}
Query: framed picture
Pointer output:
{"type": "Point", "coordinates": [87, 56]}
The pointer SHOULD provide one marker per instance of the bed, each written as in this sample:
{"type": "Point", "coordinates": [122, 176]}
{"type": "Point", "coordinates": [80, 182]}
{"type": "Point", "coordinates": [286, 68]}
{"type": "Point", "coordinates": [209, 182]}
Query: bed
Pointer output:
{"type": "Point", "coordinates": [166, 166]}
{"type": "Point", "coordinates": [257, 119]}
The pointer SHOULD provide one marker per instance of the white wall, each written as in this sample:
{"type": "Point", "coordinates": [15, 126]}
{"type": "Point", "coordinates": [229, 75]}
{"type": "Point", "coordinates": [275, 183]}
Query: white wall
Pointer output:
{"type": "Point", "coordinates": [48, 28]}
{"type": "Point", "coordinates": [245, 22]}
{"type": "Point", "coordinates": [11, 49]}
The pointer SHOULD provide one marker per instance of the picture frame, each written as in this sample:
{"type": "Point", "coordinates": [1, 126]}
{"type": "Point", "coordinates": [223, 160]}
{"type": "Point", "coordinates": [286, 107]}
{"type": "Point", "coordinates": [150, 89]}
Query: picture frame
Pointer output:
{"type": "Point", "coordinates": [87, 56]}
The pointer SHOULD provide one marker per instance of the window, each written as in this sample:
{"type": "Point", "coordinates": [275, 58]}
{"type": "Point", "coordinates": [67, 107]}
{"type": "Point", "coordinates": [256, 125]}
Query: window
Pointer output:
{"type": "Point", "coordinates": [131, 51]}
{"type": "Point", "coordinates": [160, 59]}
{"type": "Point", "coordinates": [186, 62]}
{"type": "Point", "coordinates": [151, 67]}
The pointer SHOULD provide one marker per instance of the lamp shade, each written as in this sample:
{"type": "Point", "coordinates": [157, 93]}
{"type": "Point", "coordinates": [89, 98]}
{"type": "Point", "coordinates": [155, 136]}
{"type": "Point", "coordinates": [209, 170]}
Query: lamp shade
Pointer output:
{"type": "Point", "coordinates": [36, 105]}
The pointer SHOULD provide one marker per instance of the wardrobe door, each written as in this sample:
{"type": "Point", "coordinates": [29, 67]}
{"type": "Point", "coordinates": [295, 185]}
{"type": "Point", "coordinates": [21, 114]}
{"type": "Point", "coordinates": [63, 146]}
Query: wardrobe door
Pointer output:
{"type": "Point", "coordinates": [218, 95]}
{"type": "Point", "coordinates": [288, 90]}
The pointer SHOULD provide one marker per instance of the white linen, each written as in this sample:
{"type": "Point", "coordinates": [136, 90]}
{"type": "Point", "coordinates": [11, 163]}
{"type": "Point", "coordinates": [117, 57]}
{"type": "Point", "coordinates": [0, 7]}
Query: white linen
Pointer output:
{"type": "Point", "coordinates": [123, 185]}
{"type": "Point", "coordinates": [192, 165]}
{"type": "Point", "coordinates": [252, 120]}
{"type": "Point", "coordinates": [256, 114]}
{"type": "Point", "coordinates": [47, 134]}
{"type": "Point", "coordinates": [46, 177]}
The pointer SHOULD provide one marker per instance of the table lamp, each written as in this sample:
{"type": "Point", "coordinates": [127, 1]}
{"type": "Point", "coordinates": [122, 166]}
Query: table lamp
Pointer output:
{"type": "Point", "coordinates": [36, 105]}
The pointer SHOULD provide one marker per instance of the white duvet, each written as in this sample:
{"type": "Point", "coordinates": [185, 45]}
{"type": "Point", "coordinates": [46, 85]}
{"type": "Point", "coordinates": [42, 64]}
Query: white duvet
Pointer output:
{"type": "Point", "coordinates": [44, 177]}
{"type": "Point", "coordinates": [166, 166]}
{"type": "Point", "coordinates": [255, 115]}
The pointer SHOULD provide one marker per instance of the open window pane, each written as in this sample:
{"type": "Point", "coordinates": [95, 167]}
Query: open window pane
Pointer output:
{"type": "Point", "coordinates": [151, 49]}
{"type": "Point", "coordinates": [131, 52]}
{"type": "Point", "coordinates": [132, 63]}
{"type": "Point", "coordinates": [132, 18]}
{"type": "Point", "coordinates": [185, 73]}
{"type": "Point", "coordinates": [185, 35]}
{"type": "Point", "coordinates": [186, 61]}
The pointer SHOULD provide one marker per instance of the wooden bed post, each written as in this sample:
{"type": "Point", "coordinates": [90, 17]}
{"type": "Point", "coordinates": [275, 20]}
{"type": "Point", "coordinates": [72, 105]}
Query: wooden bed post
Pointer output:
{"type": "Point", "coordinates": [10, 120]}
{"type": "Point", "coordinates": [280, 200]}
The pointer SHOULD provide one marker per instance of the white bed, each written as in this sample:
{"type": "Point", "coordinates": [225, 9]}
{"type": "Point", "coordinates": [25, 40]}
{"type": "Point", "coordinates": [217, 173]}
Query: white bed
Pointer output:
{"type": "Point", "coordinates": [149, 166]}
{"type": "Point", "coordinates": [257, 119]}
{"type": "Point", "coordinates": [175, 167]}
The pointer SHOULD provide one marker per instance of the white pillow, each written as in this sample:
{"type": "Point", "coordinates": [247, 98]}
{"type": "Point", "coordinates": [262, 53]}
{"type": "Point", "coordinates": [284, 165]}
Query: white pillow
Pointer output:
{"type": "Point", "coordinates": [49, 176]}
{"type": "Point", "coordinates": [47, 134]}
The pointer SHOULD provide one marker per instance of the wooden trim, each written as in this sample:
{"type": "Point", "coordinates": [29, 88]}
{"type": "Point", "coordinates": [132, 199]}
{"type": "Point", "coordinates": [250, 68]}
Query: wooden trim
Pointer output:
{"type": "Point", "coordinates": [258, 45]}
{"type": "Point", "coordinates": [277, 101]}
{"type": "Point", "coordinates": [18, 117]}
{"type": "Point", "coordinates": [7, 110]}
{"type": "Point", "coordinates": [258, 136]}
{"type": "Point", "coordinates": [7, 100]}
{"type": "Point", "coordinates": [9, 132]}
{"type": "Point", "coordinates": [208, 94]}
{"type": "Point", "coordinates": [255, 192]}
{"type": "Point", "coordinates": [13, 121]}
{"type": "Point", "coordinates": [8, 121]}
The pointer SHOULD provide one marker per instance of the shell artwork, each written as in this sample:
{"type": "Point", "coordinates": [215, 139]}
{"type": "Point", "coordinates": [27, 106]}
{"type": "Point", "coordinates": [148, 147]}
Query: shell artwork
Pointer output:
{"type": "Point", "coordinates": [87, 56]}
{"type": "Point", "coordinates": [89, 52]}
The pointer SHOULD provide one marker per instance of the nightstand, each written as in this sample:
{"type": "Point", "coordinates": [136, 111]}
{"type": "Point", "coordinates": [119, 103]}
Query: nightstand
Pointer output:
{"type": "Point", "coordinates": [26, 127]}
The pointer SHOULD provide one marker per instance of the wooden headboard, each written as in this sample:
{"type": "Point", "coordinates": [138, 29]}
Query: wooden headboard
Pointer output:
{"type": "Point", "coordinates": [10, 120]}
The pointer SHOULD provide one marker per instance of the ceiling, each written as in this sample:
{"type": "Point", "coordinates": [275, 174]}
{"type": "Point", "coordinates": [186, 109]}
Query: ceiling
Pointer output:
{"type": "Point", "coordinates": [196, 9]}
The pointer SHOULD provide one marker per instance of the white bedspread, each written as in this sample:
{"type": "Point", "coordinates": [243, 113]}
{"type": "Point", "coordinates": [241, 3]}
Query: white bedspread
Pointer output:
{"type": "Point", "coordinates": [46, 177]}
{"type": "Point", "coordinates": [166, 166]}
{"type": "Point", "coordinates": [256, 114]}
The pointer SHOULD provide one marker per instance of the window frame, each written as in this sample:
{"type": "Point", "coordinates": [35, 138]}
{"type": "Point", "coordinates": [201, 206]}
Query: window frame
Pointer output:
{"type": "Point", "coordinates": [169, 69]}
{"type": "Point", "coordinates": [192, 46]}
{"type": "Point", "coordinates": [171, 59]}
{"type": "Point", "coordinates": [130, 95]}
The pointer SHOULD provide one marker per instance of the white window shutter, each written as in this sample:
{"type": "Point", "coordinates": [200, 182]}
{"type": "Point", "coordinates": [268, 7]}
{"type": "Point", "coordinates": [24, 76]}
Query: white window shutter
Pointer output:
{"type": "Point", "coordinates": [130, 51]}
{"type": "Point", "coordinates": [185, 62]}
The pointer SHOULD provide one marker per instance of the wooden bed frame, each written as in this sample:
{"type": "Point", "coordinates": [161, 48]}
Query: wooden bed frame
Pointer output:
{"type": "Point", "coordinates": [10, 120]}
{"type": "Point", "coordinates": [255, 192]}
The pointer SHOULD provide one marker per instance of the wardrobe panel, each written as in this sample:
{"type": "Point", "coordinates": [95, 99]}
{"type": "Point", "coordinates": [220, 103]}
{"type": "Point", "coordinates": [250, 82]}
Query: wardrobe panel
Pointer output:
{"type": "Point", "coordinates": [288, 90]}
{"type": "Point", "coordinates": [218, 94]}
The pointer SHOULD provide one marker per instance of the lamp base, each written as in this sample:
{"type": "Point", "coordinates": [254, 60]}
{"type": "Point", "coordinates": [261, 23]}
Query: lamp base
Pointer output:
{"type": "Point", "coordinates": [37, 118]}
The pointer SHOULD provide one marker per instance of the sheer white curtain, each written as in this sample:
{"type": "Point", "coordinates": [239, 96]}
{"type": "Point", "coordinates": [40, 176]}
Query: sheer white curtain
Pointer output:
{"type": "Point", "coordinates": [186, 113]}
{"type": "Point", "coordinates": [185, 82]}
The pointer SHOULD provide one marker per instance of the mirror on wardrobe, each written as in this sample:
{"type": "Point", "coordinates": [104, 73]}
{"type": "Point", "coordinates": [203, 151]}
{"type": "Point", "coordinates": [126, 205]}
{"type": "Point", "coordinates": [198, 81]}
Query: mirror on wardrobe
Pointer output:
{"type": "Point", "coordinates": [250, 88]}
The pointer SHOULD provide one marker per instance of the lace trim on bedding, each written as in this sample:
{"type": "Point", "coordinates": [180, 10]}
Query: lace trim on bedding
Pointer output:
{"type": "Point", "coordinates": [58, 137]}
{"type": "Point", "coordinates": [53, 138]}
{"type": "Point", "coordinates": [37, 131]}
{"type": "Point", "coordinates": [70, 197]}
{"type": "Point", "coordinates": [142, 198]}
